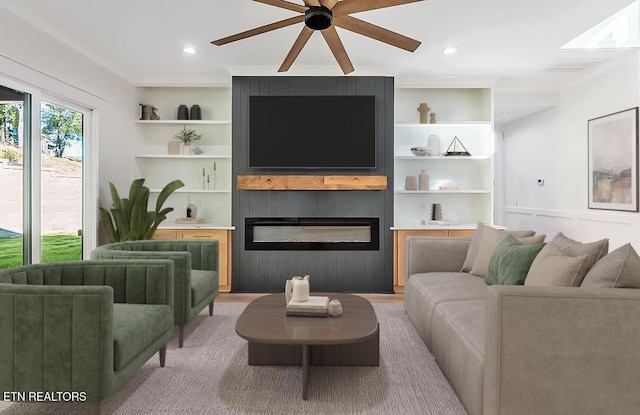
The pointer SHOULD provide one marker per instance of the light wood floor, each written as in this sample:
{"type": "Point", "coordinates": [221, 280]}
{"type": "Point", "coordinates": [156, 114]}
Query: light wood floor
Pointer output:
{"type": "Point", "coordinates": [243, 298]}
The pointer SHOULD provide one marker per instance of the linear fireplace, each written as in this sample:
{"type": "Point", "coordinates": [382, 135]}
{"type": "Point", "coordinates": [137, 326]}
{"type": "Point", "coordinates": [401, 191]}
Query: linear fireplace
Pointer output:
{"type": "Point", "coordinates": [318, 233]}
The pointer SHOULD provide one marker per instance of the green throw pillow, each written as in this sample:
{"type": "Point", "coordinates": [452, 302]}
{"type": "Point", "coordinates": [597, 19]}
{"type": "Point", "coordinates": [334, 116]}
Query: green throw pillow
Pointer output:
{"type": "Point", "coordinates": [511, 261]}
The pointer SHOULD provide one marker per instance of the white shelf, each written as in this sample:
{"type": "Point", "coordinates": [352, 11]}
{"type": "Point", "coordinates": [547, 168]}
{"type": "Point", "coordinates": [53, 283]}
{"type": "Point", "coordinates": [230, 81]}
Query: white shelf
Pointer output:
{"type": "Point", "coordinates": [184, 122]}
{"type": "Point", "coordinates": [445, 124]}
{"type": "Point", "coordinates": [424, 158]}
{"type": "Point", "coordinates": [183, 190]}
{"type": "Point", "coordinates": [183, 156]}
{"type": "Point", "coordinates": [440, 192]}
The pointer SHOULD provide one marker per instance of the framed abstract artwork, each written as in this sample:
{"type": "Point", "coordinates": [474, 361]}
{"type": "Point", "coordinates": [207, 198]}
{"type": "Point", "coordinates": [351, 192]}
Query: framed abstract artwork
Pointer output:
{"type": "Point", "coordinates": [613, 161]}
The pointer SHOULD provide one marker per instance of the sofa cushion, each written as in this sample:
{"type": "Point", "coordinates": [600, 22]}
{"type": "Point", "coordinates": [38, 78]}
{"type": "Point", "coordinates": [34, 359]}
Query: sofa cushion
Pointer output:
{"type": "Point", "coordinates": [458, 346]}
{"type": "Point", "coordinates": [490, 239]}
{"type": "Point", "coordinates": [203, 283]}
{"type": "Point", "coordinates": [135, 327]}
{"type": "Point", "coordinates": [424, 292]}
{"type": "Point", "coordinates": [619, 269]}
{"type": "Point", "coordinates": [552, 269]}
{"type": "Point", "coordinates": [449, 286]}
{"type": "Point", "coordinates": [511, 261]}
{"type": "Point", "coordinates": [593, 250]}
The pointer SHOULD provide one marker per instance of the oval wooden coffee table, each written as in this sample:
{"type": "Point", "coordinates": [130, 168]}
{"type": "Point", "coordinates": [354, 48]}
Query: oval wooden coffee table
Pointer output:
{"type": "Point", "coordinates": [277, 339]}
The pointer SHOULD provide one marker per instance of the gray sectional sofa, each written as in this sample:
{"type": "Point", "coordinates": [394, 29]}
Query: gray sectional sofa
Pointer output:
{"type": "Point", "coordinates": [514, 349]}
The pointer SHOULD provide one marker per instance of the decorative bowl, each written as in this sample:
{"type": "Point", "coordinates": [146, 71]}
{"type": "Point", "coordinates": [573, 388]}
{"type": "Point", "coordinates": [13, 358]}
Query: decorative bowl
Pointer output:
{"type": "Point", "coordinates": [420, 151]}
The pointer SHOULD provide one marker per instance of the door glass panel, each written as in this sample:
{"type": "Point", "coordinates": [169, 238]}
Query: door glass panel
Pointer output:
{"type": "Point", "coordinates": [61, 182]}
{"type": "Point", "coordinates": [12, 136]}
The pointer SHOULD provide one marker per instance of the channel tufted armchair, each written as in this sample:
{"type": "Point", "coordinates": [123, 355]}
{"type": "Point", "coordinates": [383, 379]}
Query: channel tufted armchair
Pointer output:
{"type": "Point", "coordinates": [82, 326]}
{"type": "Point", "coordinates": [195, 271]}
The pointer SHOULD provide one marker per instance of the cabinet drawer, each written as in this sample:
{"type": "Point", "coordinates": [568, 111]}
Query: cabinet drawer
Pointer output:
{"type": "Point", "coordinates": [164, 234]}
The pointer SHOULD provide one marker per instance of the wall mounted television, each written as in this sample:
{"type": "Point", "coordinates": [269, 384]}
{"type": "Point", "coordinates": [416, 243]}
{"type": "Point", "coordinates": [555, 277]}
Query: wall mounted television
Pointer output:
{"type": "Point", "coordinates": [312, 132]}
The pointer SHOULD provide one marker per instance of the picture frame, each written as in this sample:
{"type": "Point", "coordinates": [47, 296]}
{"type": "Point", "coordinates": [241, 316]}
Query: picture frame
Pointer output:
{"type": "Point", "coordinates": [613, 161]}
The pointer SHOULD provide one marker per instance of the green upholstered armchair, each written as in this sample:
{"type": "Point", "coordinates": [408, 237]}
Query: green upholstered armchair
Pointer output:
{"type": "Point", "coordinates": [82, 326]}
{"type": "Point", "coordinates": [195, 271]}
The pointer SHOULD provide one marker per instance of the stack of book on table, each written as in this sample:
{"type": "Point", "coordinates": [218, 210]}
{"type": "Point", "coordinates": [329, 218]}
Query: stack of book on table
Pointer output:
{"type": "Point", "coordinates": [315, 306]}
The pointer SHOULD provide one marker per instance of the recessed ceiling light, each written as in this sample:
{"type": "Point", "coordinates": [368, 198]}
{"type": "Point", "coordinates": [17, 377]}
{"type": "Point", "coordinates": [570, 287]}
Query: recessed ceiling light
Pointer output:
{"type": "Point", "coordinates": [189, 50]}
{"type": "Point", "coordinates": [450, 50]}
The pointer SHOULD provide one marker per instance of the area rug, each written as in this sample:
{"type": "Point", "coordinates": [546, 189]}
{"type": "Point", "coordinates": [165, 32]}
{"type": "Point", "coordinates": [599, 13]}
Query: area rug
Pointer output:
{"type": "Point", "coordinates": [210, 375]}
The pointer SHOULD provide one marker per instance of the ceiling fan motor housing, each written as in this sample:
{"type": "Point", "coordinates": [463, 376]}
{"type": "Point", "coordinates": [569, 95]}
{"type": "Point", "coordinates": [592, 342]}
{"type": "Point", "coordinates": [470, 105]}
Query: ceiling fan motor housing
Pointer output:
{"type": "Point", "coordinates": [318, 17]}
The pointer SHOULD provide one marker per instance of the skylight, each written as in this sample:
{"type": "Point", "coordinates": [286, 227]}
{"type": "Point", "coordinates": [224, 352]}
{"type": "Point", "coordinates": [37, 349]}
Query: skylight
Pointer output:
{"type": "Point", "coordinates": [622, 30]}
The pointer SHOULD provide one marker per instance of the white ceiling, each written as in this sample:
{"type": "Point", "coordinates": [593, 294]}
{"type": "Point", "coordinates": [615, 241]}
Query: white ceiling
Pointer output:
{"type": "Point", "coordinates": [514, 41]}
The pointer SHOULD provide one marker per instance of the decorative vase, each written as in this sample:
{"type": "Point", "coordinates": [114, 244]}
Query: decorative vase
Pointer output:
{"type": "Point", "coordinates": [432, 120]}
{"type": "Point", "coordinates": [173, 147]}
{"type": "Point", "coordinates": [183, 112]}
{"type": "Point", "coordinates": [196, 112]}
{"type": "Point", "coordinates": [423, 180]}
{"type": "Point", "coordinates": [192, 211]}
{"type": "Point", "coordinates": [301, 289]}
{"type": "Point", "coordinates": [186, 149]}
{"type": "Point", "coordinates": [433, 142]}
{"type": "Point", "coordinates": [423, 109]}
{"type": "Point", "coordinates": [411, 183]}
{"type": "Point", "coordinates": [335, 308]}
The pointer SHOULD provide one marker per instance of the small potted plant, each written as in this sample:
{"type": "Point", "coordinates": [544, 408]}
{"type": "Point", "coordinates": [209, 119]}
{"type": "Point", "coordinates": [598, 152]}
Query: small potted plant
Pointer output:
{"type": "Point", "coordinates": [187, 136]}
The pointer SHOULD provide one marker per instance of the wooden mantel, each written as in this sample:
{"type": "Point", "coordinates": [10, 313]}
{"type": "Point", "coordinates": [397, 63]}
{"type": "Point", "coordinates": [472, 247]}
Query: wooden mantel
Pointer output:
{"type": "Point", "coordinates": [292, 182]}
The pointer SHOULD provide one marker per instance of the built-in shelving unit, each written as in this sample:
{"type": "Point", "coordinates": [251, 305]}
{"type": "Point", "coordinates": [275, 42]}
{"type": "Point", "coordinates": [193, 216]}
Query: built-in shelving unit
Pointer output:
{"type": "Point", "coordinates": [207, 176]}
{"type": "Point", "coordinates": [467, 114]}
{"type": "Point", "coordinates": [462, 185]}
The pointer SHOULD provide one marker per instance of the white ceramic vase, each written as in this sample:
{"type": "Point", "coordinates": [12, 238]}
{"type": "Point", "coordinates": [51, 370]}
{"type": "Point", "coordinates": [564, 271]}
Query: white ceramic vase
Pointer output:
{"type": "Point", "coordinates": [433, 142]}
{"type": "Point", "coordinates": [335, 308]}
{"type": "Point", "coordinates": [301, 289]}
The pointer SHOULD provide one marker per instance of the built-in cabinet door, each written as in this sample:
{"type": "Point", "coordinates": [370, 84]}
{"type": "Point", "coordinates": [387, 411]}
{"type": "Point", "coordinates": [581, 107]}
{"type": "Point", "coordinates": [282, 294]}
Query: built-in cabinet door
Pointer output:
{"type": "Point", "coordinates": [224, 252]}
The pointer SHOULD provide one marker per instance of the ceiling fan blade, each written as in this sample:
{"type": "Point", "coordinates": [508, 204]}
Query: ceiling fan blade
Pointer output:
{"type": "Point", "coordinates": [376, 32]}
{"type": "Point", "coordinates": [284, 5]}
{"type": "Point", "coordinates": [329, 4]}
{"type": "Point", "coordinates": [302, 39]}
{"type": "Point", "coordinates": [337, 48]}
{"type": "Point", "coordinates": [259, 30]}
{"type": "Point", "coordinates": [312, 2]}
{"type": "Point", "coordinates": [355, 6]}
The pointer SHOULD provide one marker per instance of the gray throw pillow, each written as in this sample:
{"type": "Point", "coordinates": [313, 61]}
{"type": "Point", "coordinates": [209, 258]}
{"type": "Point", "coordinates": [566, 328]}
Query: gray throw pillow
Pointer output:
{"type": "Point", "coordinates": [511, 261]}
{"type": "Point", "coordinates": [619, 269]}
{"type": "Point", "coordinates": [491, 237]}
{"type": "Point", "coordinates": [593, 250]}
{"type": "Point", "coordinates": [474, 245]}
{"type": "Point", "coordinates": [552, 269]}
{"type": "Point", "coordinates": [476, 241]}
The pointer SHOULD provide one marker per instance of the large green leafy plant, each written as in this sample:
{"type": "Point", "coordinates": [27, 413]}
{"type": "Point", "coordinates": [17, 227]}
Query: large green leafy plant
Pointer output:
{"type": "Point", "coordinates": [128, 219]}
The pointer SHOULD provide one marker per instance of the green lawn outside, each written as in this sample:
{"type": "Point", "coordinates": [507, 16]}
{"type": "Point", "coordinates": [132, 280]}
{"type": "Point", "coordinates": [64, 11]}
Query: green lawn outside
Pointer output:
{"type": "Point", "coordinates": [55, 248]}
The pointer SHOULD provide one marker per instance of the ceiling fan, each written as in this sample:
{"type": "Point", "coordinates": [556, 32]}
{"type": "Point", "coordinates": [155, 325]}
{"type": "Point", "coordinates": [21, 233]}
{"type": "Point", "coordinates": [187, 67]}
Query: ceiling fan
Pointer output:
{"type": "Point", "coordinates": [325, 15]}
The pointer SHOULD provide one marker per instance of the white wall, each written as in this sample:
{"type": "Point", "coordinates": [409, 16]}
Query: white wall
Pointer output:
{"type": "Point", "coordinates": [32, 58]}
{"type": "Point", "coordinates": [553, 145]}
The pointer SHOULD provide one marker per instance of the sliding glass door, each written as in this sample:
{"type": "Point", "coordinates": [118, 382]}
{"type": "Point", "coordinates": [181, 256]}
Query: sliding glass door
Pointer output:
{"type": "Point", "coordinates": [15, 116]}
{"type": "Point", "coordinates": [61, 155]}
{"type": "Point", "coordinates": [42, 171]}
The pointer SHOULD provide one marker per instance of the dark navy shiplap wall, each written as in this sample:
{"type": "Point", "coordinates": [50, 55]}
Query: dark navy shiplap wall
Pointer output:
{"type": "Point", "coordinates": [350, 271]}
